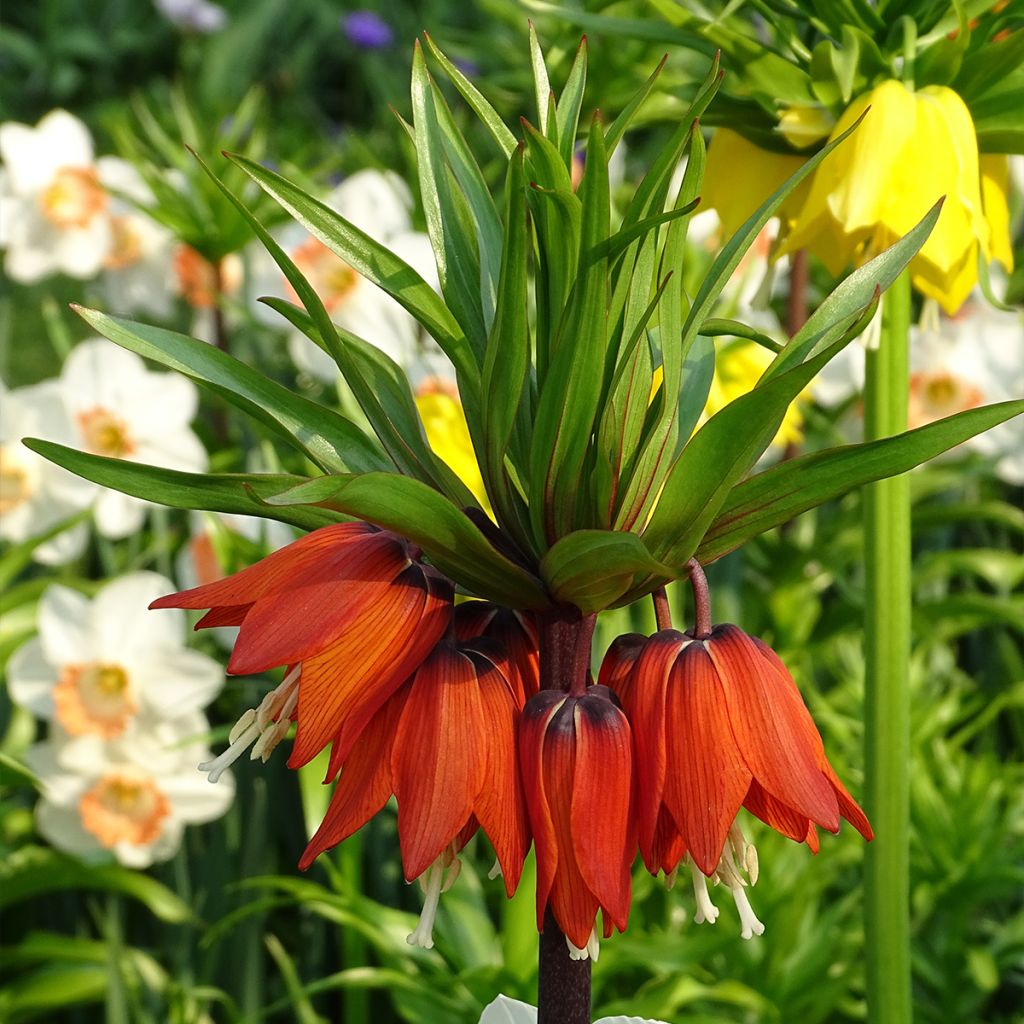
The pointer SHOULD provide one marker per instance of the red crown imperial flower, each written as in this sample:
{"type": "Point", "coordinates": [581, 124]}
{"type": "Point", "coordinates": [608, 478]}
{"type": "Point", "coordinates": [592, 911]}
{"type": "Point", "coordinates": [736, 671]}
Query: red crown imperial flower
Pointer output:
{"type": "Point", "coordinates": [576, 754]}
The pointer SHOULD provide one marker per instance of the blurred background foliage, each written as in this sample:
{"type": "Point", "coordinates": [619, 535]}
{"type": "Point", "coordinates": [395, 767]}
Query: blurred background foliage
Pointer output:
{"type": "Point", "coordinates": [229, 930]}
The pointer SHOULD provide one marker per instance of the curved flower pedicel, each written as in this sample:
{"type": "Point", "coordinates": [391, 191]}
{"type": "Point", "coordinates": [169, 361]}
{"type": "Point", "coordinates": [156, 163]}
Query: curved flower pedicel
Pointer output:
{"type": "Point", "coordinates": [349, 610]}
{"type": "Point", "coordinates": [576, 754]}
{"type": "Point", "coordinates": [445, 745]}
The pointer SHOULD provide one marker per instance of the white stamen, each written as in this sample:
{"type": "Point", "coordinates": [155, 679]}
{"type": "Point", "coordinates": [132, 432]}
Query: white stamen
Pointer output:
{"type": "Point", "coordinates": [671, 877]}
{"type": "Point", "coordinates": [451, 873]}
{"type": "Point", "coordinates": [495, 871]}
{"type": "Point", "coordinates": [432, 881]}
{"type": "Point", "coordinates": [594, 946]}
{"type": "Point", "coordinates": [591, 951]}
{"type": "Point", "coordinates": [706, 910]}
{"type": "Point", "coordinates": [262, 728]}
{"type": "Point", "coordinates": [749, 924]}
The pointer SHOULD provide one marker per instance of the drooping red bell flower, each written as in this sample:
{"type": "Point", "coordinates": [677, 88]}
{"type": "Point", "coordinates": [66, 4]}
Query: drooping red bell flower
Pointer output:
{"type": "Point", "coordinates": [444, 745]}
{"type": "Point", "coordinates": [718, 723]}
{"type": "Point", "coordinates": [515, 635]}
{"type": "Point", "coordinates": [352, 613]}
{"type": "Point", "coordinates": [576, 757]}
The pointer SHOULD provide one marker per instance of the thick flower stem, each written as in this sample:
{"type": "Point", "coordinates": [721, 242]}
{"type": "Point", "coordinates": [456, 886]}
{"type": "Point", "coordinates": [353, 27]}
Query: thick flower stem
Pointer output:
{"type": "Point", "coordinates": [887, 667]}
{"type": "Point", "coordinates": [563, 984]}
{"type": "Point", "coordinates": [662, 610]}
{"type": "Point", "coordinates": [701, 600]}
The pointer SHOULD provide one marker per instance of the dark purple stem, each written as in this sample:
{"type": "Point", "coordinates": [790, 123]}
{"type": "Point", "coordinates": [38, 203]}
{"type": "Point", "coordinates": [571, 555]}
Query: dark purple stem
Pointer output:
{"type": "Point", "coordinates": [662, 612]}
{"type": "Point", "coordinates": [701, 600]}
{"type": "Point", "coordinates": [582, 656]}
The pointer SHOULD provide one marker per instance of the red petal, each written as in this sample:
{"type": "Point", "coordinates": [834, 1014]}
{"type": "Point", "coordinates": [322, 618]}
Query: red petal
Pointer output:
{"type": "Point", "coordinates": [603, 831]}
{"type": "Point", "coordinates": [275, 572]}
{"type": "Point", "coordinates": [773, 729]}
{"type": "Point", "coordinates": [668, 848]}
{"type": "Point", "coordinates": [775, 813]}
{"type": "Point", "coordinates": [343, 686]}
{"type": "Point", "coordinates": [533, 724]}
{"type": "Point", "coordinates": [499, 806]}
{"type": "Point", "coordinates": [619, 660]}
{"type": "Point", "coordinates": [313, 611]}
{"type": "Point", "coordinates": [644, 704]}
{"type": "Point", "coordinates": [226, 615]}
{"type": "Point", "coordinates": [706, 778]}
{"type": "Point", "coordinates": [364, 785]}
{"type": "Point", "coordinates": [439, 760]}
{"type": "Point", "coordinates": [572, 902]}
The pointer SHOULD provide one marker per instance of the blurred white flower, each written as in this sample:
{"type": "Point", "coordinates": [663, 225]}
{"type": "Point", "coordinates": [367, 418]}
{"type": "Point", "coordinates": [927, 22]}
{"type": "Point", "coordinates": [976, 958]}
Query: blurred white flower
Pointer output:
{"type": "Point", "coordinates": [512, 1011]}
{"type": "Point", "coordinates": [379, 204]}
{"type": "Point", "coordinates": [193, 15]}
{"type": "Point", "coordinates": [956, 364]}
{"type": "Point", "coordinates": [36, 495]}
{"type": "Point", "coordinates": [138, 271]}
{"type": "Point", "coordinates": [131, 797]}
{"type": "Point", "coordinates": [124, 411]}
{"type": "Point", "coordinates": [109, 667]}
{"type": "Point", "coordinates": [54, 205]}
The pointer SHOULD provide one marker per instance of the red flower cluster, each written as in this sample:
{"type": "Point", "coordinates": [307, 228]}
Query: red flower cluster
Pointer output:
{"type": "Point", "coordinates": [440, 707]}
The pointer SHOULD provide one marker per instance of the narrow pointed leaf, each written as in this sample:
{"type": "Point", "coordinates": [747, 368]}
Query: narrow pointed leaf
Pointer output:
{"type": "Point", "coordinates": [541, 82]}
{"type": "Point", "coordinates": [329, 439]}
{"type": "Point", "coordinates": [782, 492]}
{"type": "Point", "coordinates": [570, 102]}
{"type": "Point", "coordinates": [238, 493]}
{"type": "Point", "coordinates": [450, 539]}
{"type": "Point", "coordinates": [621, 124]}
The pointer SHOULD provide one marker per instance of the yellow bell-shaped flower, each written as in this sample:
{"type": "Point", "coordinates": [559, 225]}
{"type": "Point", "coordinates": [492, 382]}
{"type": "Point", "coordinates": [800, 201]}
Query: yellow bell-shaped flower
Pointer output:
{"type": "Point", "coordinates": [912, 148]}
{"type": "Point", "coordinates": [448, 435]}
{"type": "Point", "coordinates": [740, 176]}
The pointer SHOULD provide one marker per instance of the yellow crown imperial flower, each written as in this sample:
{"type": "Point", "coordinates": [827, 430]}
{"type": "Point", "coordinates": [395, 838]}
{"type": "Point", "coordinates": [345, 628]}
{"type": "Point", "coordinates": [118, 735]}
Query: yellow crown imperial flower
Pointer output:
{"type": "Point", "coordinates": [912, 148]}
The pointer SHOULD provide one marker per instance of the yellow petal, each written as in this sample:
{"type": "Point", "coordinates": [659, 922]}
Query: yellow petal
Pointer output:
{"type": "Point", "coordinates": [448, 435]}
{"type": "Point", "coordinates": [949, 288]}
{"type": "Point", "coordinates": [995, 184]}
{"type": "Point", "coordinates": [803, 125]}
{"type": "Point", "coordinates": [740, 176]}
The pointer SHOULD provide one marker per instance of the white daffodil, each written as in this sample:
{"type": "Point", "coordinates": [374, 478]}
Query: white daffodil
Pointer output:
{"type": "Point", "coordinates": [54, 204]}
{"type": "Point", "coordinates": [130, 797]}
{"type": "Point", "coordinates": [379, 204]}
{"type": "Point", "coordinates": [138, 270]}
{"type": "Point", "coordinates": [124, 411]}
{"type": "Point", "coordinates": [193, 15]}
{"type": "Point", "coordinates": [36, 495]}
{"type": "Point", "coordinates": [512, 1011]}
{"type": "Point", "coordinates": [109, 667]}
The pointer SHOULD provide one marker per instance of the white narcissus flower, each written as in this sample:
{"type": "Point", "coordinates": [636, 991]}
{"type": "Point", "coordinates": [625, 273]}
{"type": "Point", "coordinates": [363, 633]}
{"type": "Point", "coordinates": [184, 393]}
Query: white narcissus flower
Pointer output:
{"type": "Point", "coordinates": [124, 411]}
{"type": "Point", "coordinates": [131, 797]}
{"type": "Point", "coordinates": [54, 205]}
{"type": "Point", "coordinates": [512, 1011]}
{"type": "Point", "coordinates": [379, 204]}
{"type": "Point", "coordinates": [110, 668]}
{"type": "Point", "coordinates": [36, 495]}
{"type": "Point", "coordinates": [193, 15]}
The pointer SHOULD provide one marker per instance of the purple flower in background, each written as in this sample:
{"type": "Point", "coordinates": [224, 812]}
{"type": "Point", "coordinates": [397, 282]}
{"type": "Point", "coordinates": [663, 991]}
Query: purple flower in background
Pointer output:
{"type": "Point", "coordinates": [368, 30]}
{"type": "Point", "coordinates": [193, 15]}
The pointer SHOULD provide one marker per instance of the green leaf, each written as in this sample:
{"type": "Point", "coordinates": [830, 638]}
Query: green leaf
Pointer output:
{"type": "Point", "coordinates": [592, 569]}
{"type": "Point", "coordinates": [217, 492]}
{"type": "Point", "coordinates": [379, 265]}
{"type": "Point", "coordinates": [784, 491]}
{"type": "Point", "coordinates": [334, 443]}
{"type": "Point", "coordinates": [487, 114]}
{"type": "Point", "coordinates": [541, 81]}
{"type": "Point", "coordinates": [33, 871]}
{"type": "Point", "coordinates": [450, 539]}
{"type": "Point", "coordinates": [448, 221]}
{"type": "Point", "coordinates": [570, 102]}
{"type": "Point", "coordinates": [571, 391]}
{"type": "Point", "coordinates": [621, 124]}
{"type": "Point", "coordinates": [723, 450]}
{"type": "Point", "coordinates": [717, 328]}
{"type": "Point", "coordinates": [18, 556]}
{"type": "Point", "coordinates": [851, 296]}
{"type": "Point", "coordinates": [507, 360]}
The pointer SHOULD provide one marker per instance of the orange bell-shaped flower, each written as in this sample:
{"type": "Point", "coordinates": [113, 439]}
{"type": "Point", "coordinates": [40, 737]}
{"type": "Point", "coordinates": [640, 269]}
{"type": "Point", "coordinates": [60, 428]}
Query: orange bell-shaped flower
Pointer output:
{"type": "Point", "coordinates": [576, 755]}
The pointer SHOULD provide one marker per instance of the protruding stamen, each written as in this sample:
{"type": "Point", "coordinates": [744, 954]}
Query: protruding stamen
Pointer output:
{"type": "Point", "coordinates": [749, 924]}
{"type": "Point", "coordinates": [495, 871]}
{"type": "Point", "coordinates": [706, 910]}
{"type": "Point", "coordinates": [432, 881]}
{"type": "Point", "coordinates": [591, 951]}
{"type": "Point", "coordinates": [671, 878]}
{"type": "Point", "coordinates": [262, 728]}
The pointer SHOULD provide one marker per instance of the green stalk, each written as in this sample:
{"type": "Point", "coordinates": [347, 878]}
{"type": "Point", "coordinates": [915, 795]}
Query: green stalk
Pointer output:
{"type": "Point", "coordinates": [887, 670]}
